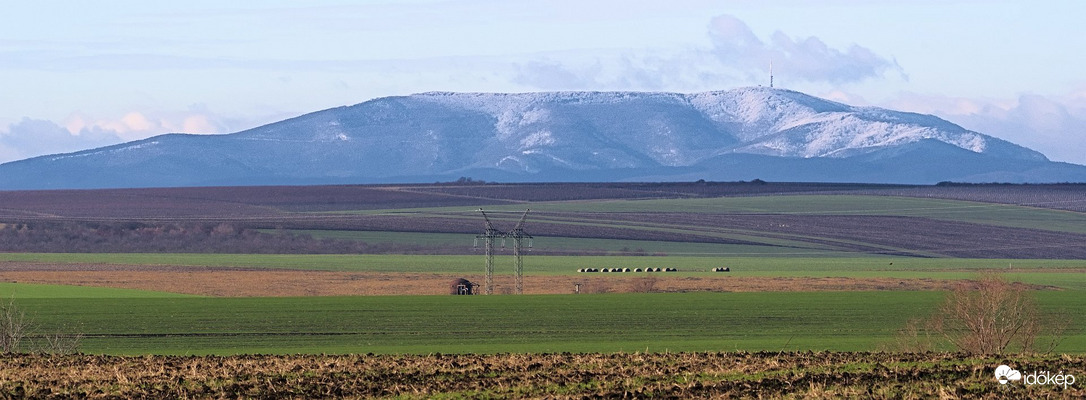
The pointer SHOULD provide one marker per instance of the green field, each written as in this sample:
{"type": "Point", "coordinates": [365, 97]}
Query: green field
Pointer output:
{"type": "Point", "coordinates": [35, 291]}
{"type": "Point", "coordinates": [839, 321]}
{"type": "Point", "coordinates": [119, 321]}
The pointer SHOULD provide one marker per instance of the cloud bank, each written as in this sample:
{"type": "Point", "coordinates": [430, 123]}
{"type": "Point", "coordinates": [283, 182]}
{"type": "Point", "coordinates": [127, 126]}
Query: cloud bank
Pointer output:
{"type": "Point", "coordinates": [808, 59]}
{"type": "Point", "coordinates": [136, 125]}
{"type": "Point", "coordinates": [736, 56]}
{"type": "Point", "coordinates": [33, 137]}
{"type": "Point", "coordinates": [1053, 125]}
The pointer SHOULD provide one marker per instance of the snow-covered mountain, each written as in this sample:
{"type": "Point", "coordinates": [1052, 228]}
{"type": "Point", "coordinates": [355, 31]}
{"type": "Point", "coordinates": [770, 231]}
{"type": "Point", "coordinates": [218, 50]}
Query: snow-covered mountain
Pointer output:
{"type": "Point", "coordinates": [740, 134]}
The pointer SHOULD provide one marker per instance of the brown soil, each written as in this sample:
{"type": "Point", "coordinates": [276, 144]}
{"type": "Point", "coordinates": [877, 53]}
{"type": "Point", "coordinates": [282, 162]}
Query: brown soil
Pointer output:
{"type": "Point", "coordinates": [769, 375]}
{"type": "Point", "coordinates": [235, 282]}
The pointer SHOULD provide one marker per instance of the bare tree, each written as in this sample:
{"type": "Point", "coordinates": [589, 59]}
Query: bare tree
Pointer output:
{"type": "Point", "coordinates": [64, 341]}
{"type": "Point", "coordinates": [16, 334]}
{"type": "Point", "coordinates": [989, 318]}
{"type": "Point", "coordinates": [14, 327]}
{"type": "Point", "coordinates": [912, 338]}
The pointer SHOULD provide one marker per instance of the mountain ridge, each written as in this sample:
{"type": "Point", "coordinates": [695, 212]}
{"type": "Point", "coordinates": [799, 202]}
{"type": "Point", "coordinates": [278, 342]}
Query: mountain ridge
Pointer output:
{"type": "Point", "coordinates": [737, 134]}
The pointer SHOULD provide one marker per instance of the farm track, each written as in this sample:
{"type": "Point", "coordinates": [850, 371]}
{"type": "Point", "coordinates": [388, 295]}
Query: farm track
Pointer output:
{"type": "Point", "coordinates": [622, 375]}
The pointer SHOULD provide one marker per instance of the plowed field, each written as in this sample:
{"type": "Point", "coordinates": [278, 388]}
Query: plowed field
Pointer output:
{"type": "Point", "coordinates": [624, 375]}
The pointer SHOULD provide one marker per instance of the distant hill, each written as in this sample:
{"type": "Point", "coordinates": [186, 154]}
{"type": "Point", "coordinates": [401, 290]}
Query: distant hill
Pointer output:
{"type": "Point", "coordinates": [740, 134]}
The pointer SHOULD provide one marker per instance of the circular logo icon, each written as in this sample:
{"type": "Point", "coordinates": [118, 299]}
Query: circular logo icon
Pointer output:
{"type": "Point", "coordinates": [1004, 374]}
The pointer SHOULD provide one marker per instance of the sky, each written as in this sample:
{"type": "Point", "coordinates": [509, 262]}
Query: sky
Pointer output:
{"type": "Point", "coordinates": [78, 74]}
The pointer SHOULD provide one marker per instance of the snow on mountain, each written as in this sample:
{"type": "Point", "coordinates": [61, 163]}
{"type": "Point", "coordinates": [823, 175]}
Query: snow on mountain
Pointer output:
{"type": "Point", "coordinates": [743, 133]}
{"type": "Point", "coordinates": [791, 124]}
{"type": "Point", "coordinates": [750, 120]}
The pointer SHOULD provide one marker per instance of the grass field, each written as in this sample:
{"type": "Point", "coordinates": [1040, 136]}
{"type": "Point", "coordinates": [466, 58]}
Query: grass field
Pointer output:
{"type": "Point", "coordinates": [836, 321]}
{"type": "Point", "coordinates": [35, 291]}
{"type": "Point", "coordinates": [135, 322]}
{"type": "Point", "coordinates": [766, 236]}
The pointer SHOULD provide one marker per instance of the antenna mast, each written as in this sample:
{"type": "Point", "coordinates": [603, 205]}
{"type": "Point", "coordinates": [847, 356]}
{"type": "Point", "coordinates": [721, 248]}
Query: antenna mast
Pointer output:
{"type": "Point", "coordinates": [771, 73]}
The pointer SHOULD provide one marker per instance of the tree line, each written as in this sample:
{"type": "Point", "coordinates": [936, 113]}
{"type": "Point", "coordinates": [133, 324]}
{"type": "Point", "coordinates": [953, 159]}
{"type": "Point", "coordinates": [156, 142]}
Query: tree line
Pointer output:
{"type": "Point", "coordinates": [192, 237]}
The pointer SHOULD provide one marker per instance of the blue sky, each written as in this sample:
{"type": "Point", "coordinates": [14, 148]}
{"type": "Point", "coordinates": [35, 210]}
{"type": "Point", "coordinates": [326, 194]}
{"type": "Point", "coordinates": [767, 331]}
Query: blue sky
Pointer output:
{"type": "Point", "coordinates": [76, 74]}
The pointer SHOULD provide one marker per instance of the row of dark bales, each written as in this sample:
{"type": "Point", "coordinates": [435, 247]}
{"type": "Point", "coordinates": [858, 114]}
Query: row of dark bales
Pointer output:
{"type": "Point", "coordinates": [649, 269]}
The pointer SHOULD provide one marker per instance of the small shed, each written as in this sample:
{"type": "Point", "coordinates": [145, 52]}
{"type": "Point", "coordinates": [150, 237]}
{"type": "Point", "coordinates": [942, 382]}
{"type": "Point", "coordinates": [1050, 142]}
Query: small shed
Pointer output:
{"type": "Point", "coordinates": [462, 286]}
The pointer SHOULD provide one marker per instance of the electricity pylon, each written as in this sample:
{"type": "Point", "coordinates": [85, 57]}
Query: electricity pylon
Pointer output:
{"type": "Point", "coordinates": [518, 236]}
{"type": "Point", "coordinates": [488, 236]}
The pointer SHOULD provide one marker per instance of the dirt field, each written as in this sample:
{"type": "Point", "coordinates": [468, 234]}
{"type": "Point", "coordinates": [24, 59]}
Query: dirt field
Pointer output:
{"type": "Point", "coordinates": [235, 282]}
{"type": "Point", "coordinates": [546, 376]}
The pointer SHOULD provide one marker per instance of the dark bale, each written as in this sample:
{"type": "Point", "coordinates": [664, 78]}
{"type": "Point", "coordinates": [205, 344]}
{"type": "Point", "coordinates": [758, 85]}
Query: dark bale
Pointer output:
{"type": "Point", "coordinates": [462, 286]}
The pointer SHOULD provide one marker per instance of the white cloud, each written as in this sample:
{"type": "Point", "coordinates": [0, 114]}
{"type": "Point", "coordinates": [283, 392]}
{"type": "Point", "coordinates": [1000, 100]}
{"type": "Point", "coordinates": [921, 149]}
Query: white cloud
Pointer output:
{"type": "Point", "coordinates": [808, 59]}
{"type": "Point", "coordinates": [138, 125]}
{"type": "Point", "coordinates": [198, 124]}
{"type": "Point", "coordinates": [32, 137]}
{"type": "Point", "coordinates": [1053, 125]}
{"type": "Point", "coordinates": [736, 56]}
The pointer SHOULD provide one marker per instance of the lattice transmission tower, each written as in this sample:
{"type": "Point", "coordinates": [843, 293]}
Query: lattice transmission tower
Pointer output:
{"type": "Point", "coordinates": [489, 236]}
{"type": "Point", "coordinates": [518, 235]}
{"type": "Point", "coordinates": [492, 234]}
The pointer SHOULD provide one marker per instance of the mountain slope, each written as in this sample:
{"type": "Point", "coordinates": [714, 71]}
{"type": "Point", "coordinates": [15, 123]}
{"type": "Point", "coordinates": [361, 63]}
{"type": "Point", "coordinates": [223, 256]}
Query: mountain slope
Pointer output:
{"type": "Point", "coordinates": [743, 134]}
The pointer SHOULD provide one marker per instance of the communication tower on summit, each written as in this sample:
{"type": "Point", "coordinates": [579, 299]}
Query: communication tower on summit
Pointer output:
{"type": "Point", "coordinates": [771, 73]}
